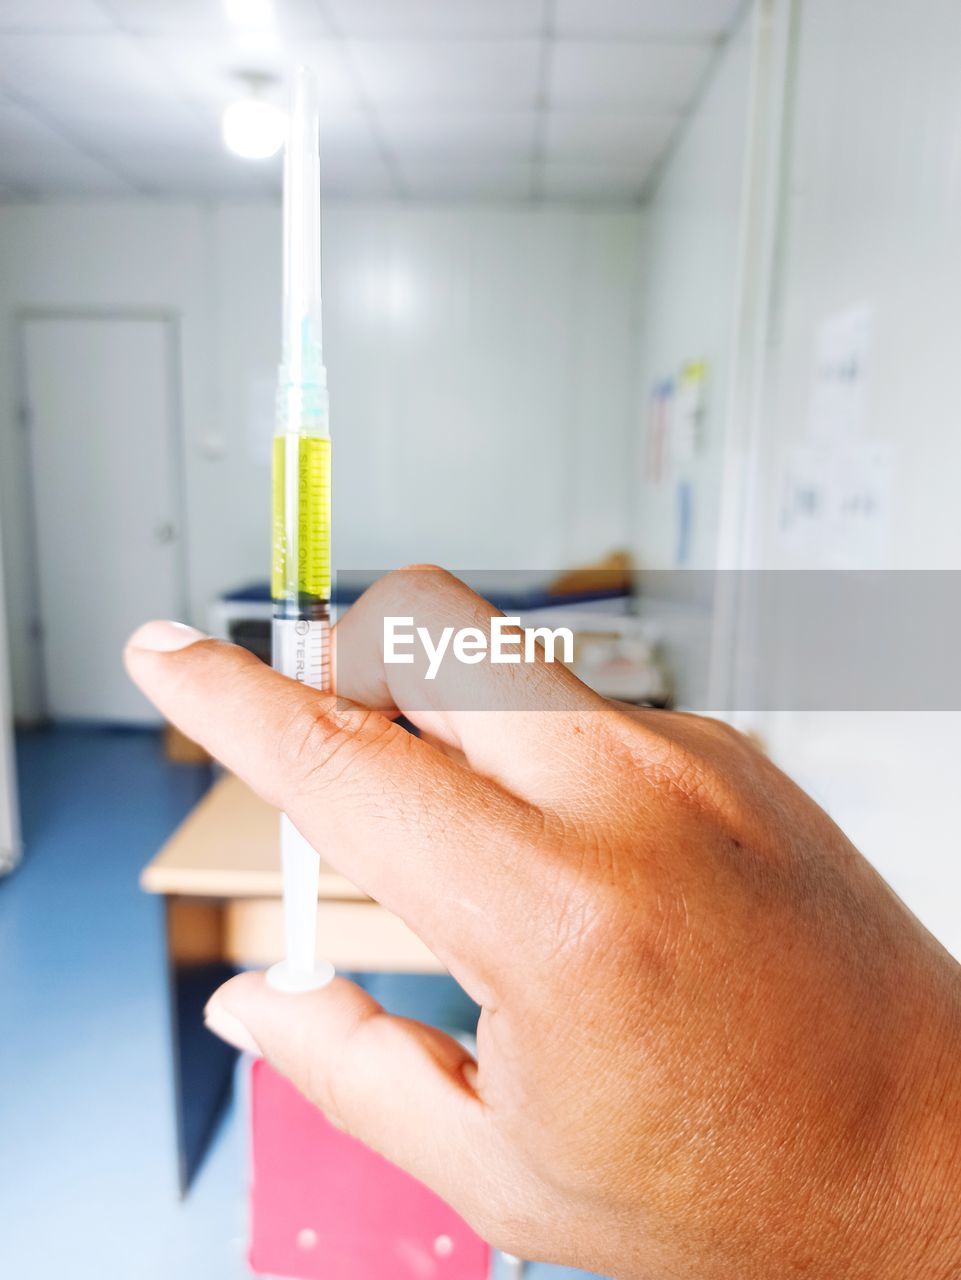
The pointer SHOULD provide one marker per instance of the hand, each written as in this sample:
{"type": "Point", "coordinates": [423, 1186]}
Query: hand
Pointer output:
{"type": "Point", "coordinates": [714, 1045]}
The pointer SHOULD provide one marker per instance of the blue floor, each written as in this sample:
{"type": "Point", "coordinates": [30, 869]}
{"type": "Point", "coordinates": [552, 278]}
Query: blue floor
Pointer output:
{"type": "Point", "coordinates": [87, 1162]}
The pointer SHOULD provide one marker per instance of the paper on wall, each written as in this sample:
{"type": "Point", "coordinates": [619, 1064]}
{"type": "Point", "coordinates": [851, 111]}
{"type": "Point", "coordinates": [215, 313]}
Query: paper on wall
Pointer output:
{"type": "Point", "coordinates": [839, 380]}
{"type": "Point", "coordinates": [838, 482]}
{"type": "Point", "coordinates": [836, 502]}
{"type": "Point", "coordinates": [660, 408]}
{"type": "Point", "coordinates": [687, 429]}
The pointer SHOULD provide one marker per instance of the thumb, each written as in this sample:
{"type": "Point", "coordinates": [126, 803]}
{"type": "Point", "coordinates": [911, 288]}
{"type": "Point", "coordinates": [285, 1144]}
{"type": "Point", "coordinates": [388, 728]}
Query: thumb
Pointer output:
{"type": "Point", "coordinates": [399, 1086]}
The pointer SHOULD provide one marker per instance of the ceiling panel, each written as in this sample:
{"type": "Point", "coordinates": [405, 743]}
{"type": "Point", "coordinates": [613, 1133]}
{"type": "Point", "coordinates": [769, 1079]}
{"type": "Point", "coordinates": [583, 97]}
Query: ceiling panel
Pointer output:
{"type": "Point", "coordinates": [171, 125]}
{"type": "Point", "coordinates": [460, 133]}
{"type": "Point", "coordinates": [175, 172]}
{"type": "Point", "coordinates": [494, 72]}
{"type": "Point", "coordinates": [608, 135]}
{"type": "Point", "coordinates": [186, 17]}
{"type": "Point", "coordinates": [430, 97]}
{"type": "Point", "coordinates": [350, 160]}
{"type": "Point", "coordinates": [700, 18]}
{"type": "Point", "coordinates": [53, 15]}
{"type": "Point", "coordinates": [608, 73]}
{"type": "Point", "coordinates": [35, 159]}
{"type": "Point", "coordinates": [60, 69]}
{"type": "Point", "coordinates": [437, 17]}
{"type": "Point", "coordinates": [597, 183]}
{"type": "Point", "coordinates": [468, 179]}
{"type": "Point", "coordinates": [343, 175]}
{"type": "Point", "coordinates": [211, 70]}
{"type": "Point", "coordinates": [209, 18]}
{"type": "Point", "coordinates": [346, 132]}
{"type": "Point", "coordinates": [335, 85]}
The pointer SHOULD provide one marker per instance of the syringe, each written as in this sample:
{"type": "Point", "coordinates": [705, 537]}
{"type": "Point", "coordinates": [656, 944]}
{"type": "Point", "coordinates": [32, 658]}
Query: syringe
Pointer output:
{"type": "Point", "coordinates": [300, 576]}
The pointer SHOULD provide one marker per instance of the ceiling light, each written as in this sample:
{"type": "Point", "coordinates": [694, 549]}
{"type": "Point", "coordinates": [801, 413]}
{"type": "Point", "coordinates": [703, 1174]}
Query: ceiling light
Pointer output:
{"type": "Point", "coordinates": [254, 128]}
{"type": "Point", "coordinates": [249, 13]}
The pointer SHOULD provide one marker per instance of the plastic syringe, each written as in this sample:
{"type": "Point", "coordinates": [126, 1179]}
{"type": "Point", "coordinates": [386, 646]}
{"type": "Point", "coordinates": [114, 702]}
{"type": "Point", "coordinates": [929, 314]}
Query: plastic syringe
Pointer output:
{"type": "Point", "coordinates": [300, 573]}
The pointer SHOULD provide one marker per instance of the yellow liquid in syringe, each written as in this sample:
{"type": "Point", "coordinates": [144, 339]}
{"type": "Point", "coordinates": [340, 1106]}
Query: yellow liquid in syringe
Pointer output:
{"type": "Point", "coordinates": [310, 576]}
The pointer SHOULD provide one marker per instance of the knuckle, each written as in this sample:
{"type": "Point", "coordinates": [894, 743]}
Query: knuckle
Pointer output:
{"type": "Point", "coordinates": [679, 755]}
{"type": "Point", "coordinates": [414, 587]}
{"type": "Point", "coordinates": [722, 735]}
{"type": "Point", "coordinates": [680, 773]}
{"type": "Point", "coordinates": [423, 568]}
{"type": "Point", "coordinates": [400, 583]}
{"type": "Point", "coordinates": [670, 761]}
{"type": "Point", "coordinates": [319, 745]}
{"type": "Point", "coordinates": [726, 732]}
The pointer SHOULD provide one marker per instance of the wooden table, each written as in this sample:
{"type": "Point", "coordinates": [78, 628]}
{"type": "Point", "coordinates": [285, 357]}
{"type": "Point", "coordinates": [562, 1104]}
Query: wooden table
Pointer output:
{"type": "Point", "coordinates": [219, 875]}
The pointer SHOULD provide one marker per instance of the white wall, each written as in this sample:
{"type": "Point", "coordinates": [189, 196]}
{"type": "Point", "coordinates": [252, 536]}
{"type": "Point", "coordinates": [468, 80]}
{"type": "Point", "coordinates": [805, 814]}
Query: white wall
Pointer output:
{"type": "Point", "coordinates": [872, 216]}
{"type": "Point", "coordinates": [689, 299]}
{"type": "Point", "coordinates": [481, 368]}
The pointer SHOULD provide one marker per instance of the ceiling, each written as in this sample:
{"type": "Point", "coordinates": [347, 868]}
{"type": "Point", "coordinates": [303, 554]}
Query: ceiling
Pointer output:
{"type": "Point", "coordinates": [432, 99]}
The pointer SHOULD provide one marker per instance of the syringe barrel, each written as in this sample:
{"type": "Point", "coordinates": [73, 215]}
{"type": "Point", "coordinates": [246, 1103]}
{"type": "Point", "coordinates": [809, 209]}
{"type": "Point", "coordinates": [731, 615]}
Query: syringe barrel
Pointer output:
{"type": "Point", "coordinates": [300, 572]}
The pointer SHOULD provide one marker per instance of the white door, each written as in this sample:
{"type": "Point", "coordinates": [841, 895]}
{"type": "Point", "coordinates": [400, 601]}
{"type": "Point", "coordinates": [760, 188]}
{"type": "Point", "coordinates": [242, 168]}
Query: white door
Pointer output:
{"type": "Point", "coordinates": [103, 420]}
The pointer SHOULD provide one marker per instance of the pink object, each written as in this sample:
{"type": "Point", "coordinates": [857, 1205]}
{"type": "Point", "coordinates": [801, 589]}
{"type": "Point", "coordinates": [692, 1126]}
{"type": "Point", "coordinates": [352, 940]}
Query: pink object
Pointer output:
{"type": "Point", "coordinates": [325, 1207]}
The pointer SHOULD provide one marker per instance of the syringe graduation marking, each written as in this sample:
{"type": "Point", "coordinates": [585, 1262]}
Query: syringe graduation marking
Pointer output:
{"type": "Point", "coordinates": [309, 579]}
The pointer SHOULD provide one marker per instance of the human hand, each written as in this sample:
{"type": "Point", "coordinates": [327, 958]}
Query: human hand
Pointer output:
{"type": "Point", "coordinates": [713, 1045]}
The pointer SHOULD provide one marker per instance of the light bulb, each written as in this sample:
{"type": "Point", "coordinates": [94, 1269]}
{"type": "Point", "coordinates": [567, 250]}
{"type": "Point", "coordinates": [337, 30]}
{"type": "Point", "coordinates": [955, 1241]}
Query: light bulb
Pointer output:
{"type": "Point", "coordinates": [254, 128]}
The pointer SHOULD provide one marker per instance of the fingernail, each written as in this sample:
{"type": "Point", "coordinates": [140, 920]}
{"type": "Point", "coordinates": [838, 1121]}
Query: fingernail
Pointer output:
{"type": "Point", "coordinates": [165, 637]}
{"type": "Point", "coordinates": [230, 1028]}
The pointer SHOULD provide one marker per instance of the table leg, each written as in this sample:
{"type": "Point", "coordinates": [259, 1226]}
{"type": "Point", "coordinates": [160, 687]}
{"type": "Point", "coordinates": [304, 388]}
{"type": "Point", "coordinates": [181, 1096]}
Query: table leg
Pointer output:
{"type": "Point", "coordinates": [202, 1064]}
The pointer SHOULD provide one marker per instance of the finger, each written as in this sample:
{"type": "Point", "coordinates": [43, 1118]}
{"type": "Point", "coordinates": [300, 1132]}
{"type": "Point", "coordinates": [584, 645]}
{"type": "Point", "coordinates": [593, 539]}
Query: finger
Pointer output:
{"type": "Point", "coordinates": [419, 832]}
{"type": "Point", "coordinates": [399, 1086]}
{"type": "Point", "coordinates": [512, 721]}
